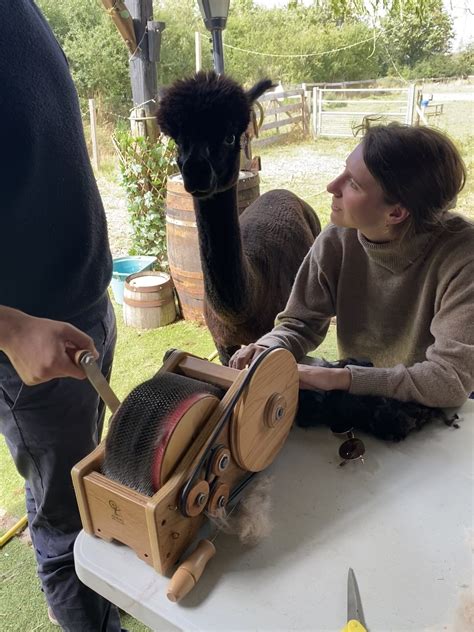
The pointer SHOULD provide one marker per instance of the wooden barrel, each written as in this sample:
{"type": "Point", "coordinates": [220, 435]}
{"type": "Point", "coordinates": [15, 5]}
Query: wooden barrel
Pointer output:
{"type": "Point", "coordinates": [182, 240]}
{"type": "Point", "coordinates": [148, 300]}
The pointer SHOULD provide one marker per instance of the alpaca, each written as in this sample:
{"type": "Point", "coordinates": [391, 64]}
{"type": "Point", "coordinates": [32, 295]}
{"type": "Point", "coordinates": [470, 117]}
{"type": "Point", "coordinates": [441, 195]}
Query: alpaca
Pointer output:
{"type": "Point", "coordinates": [384, 417]}
{"type": "Point", "coordinates": [249, 262]}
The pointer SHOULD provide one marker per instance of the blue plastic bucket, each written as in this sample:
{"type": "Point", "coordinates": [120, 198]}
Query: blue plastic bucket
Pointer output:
{"type": "Point", "coordinates": [123, 267]}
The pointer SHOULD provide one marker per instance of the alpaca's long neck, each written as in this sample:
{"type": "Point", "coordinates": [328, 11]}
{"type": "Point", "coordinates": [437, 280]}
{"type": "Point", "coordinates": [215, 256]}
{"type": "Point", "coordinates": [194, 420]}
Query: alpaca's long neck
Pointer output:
{"type": "Point", "coordinates": [225, 268]}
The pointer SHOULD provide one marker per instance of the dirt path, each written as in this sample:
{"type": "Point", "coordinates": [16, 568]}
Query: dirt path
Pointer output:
{"type": "Point", "coordinates": [113, 197]}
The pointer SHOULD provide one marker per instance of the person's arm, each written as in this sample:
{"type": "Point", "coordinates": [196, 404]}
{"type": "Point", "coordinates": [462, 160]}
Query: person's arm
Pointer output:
{"type": "Point", "coordinates": [41, 349]}
{"type": "Point", "coordinates": [303, 324]}
{"type": "Point", "coordinates": [324, 378]}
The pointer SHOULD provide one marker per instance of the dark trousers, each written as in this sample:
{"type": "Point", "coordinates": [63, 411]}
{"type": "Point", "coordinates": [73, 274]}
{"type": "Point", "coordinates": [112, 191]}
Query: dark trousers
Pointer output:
{"type": "Point", "coordinates": [48, 429]}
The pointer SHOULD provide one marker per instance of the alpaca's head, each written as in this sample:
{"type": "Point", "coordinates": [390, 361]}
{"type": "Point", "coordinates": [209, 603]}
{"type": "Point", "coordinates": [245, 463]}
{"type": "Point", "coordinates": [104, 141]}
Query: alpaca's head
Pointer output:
{"type": "Point", "coordinates": [206, 116]}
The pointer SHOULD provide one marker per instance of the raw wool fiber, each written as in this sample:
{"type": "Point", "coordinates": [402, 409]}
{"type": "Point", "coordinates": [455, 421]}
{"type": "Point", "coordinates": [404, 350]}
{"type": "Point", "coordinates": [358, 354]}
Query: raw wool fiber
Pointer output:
{"type": "Point", "coordinates": [383, 417]}
{"type": "Point", "coordinates": [464, 621]}
{"type": "Point", "coordinates": [465, 614]}
{"type": "Point", "coordinates": [251, 520]}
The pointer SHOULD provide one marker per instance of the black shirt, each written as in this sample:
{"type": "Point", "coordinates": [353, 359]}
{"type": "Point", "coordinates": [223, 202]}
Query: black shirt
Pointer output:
{"type": "Point", "coordinates": [55, 259]}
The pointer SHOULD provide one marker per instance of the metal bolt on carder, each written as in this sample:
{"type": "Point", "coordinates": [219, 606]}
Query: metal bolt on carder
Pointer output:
{"type": "Point", "coordinates": [223, 463]}
{"type": "Point", "coordinates": [201, 499]}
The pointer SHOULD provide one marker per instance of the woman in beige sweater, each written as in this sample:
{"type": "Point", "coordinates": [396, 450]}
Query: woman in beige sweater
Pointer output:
{"type": "Point", "coordinates": [396, 268]}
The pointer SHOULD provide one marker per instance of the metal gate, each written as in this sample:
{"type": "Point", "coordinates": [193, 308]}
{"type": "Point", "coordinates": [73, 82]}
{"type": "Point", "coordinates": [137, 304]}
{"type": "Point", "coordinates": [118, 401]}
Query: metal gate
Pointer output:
{"type": "Point", "coordinates": [337, 111]}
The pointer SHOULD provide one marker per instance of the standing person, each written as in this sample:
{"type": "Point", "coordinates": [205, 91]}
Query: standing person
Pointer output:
{"type": "Point", "coordinates": [397, 269]}
{"type": "Point", "coordinates": [55, 266]}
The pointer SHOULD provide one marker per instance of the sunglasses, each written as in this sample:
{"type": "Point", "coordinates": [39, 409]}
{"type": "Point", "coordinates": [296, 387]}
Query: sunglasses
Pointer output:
{"type": "Point", "coordinates": [352, 448]}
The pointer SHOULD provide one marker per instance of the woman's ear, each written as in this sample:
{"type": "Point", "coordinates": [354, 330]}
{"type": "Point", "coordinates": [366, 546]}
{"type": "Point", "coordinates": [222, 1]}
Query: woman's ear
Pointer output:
{"type": "Point", "coordinates": [397, 215]}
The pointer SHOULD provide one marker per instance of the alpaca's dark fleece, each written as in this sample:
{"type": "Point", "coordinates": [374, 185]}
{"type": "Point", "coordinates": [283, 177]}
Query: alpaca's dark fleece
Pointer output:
{"type": "Point", "coordinates": [383, 417]}
{"type": "Point", "coordinates": [192, 108]}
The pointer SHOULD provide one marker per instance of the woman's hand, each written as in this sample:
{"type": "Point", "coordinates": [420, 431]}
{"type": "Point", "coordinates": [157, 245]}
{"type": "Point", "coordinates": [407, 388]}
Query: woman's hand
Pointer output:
{"type": "Point", "coordinates": [324, 379]}
{"type": "Point", "coordinates": [243, 357]}
{"type": "Point", "coordinates": [41, 349]}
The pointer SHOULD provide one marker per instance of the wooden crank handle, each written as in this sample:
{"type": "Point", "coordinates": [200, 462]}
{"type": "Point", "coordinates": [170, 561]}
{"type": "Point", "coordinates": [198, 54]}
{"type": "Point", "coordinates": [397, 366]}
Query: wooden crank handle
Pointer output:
{"type": "Point", "coordinates": [188, 573]}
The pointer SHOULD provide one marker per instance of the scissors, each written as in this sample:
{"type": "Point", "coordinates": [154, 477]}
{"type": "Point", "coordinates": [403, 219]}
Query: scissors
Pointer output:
{"type": "Point", "coordinates": [355, 615]}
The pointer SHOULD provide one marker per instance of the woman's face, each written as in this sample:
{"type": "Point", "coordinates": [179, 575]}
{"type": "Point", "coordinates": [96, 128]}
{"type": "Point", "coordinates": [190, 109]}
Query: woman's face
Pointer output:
{"type": "Point", "coordinates": [358, 200]}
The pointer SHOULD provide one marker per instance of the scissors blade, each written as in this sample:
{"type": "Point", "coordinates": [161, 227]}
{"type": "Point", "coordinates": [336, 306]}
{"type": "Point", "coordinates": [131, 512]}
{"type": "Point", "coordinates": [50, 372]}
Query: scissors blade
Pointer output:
{"type": "Point", "coordinates": [354, 604]}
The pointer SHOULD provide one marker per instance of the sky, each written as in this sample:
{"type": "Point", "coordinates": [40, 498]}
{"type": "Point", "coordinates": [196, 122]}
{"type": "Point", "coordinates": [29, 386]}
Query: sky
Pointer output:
{"type": "Point", "coordinates": [460, 10]}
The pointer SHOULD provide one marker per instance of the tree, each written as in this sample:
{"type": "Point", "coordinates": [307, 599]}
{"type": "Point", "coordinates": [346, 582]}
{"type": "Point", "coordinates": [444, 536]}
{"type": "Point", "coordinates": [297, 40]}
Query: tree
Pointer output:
{"type": "Point", "coordinates": [294, 45]}
{"type": "Point", "coordinates": [96, 53]}
{"type": "Point", "coordinates": [177, 50]}
{"type": "Point", "coordinates": [411, 39]}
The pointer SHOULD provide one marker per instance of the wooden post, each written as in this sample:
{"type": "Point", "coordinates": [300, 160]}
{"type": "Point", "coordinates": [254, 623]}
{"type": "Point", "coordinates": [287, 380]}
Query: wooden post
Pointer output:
{"type": "Point", "coordinates": [418, 107]}
{"type": "Point", "coordinates": [95, 145]}
{"type": "Point", "coordinates": [307, 106]}
{"type": "Point", "coordinates": [315, 112]}
{"type": "Point", "coordinates": [143, 64]}
{"type": "Point", "coordinates": [123, 21]}
{"type": "Point", "coordinates": [320, 110]}
{"type": "Point", "coordinates": [198, 50]}
{"type": "Point", "coordinates": [303, 112]}
{"type": "Point", "coordinates": [276, 104]}
{"type": "Point", "coordinates": [411, 96]}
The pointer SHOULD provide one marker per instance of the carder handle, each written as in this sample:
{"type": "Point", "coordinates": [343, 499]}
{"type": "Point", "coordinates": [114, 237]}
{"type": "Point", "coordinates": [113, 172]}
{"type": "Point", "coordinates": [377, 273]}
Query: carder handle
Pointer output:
{"type": "Point", "coordinates": [86, 361]}
{"type": "Point", "coordinates": [188, 573]}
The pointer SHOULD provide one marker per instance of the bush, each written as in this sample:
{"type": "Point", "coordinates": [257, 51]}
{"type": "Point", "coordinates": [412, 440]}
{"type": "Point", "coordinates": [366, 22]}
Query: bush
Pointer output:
{"type": "Point", "coordinates": [390, 82]}
{"type": "Point", "coordinates": [145, 165]}
{"type": "Point", "coordinates": [458, 64]}
{"type": "Point", "coordinates": [97, 56]}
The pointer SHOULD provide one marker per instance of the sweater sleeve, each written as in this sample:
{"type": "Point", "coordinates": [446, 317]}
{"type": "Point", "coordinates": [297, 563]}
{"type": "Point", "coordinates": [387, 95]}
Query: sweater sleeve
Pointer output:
{"type": "Point", "coordinates": [304, 322]}
{"type": "Point", "coordinates": [446, 377]}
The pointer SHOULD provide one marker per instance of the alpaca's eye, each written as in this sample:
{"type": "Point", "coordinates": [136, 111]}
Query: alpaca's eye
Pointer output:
{"type": "Point", "coordinates": [229, 140]}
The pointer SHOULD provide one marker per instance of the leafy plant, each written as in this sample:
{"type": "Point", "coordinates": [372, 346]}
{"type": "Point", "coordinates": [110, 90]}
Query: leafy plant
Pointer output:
{"type": "Point", "coordinates": [145, 165]}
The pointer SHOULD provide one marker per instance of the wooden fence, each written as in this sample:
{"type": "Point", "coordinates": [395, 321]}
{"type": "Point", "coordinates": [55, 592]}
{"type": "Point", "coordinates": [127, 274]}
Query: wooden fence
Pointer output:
{"type": "Point", "coordinates": [281, 110]}
{"type": "Point", "coordinates": [330, 110]}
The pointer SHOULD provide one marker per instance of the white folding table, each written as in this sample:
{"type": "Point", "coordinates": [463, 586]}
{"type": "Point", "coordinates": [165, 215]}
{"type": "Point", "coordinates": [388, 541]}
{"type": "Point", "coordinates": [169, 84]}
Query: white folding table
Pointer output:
{"type": "Point", "coordinates": [403, 521]}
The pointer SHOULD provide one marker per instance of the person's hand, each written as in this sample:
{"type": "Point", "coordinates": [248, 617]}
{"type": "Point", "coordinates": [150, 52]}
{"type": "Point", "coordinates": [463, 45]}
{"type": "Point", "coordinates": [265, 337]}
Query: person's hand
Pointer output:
{"type": "Point", "coordinates": [41, 349]}
{"type": "Point", "coordinates": [243, 357]}
{"type": "Point", "coordinates": [324, 379]}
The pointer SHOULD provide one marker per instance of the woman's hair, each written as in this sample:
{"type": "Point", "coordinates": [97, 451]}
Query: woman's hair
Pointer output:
{"type": "Point", "coordinates": [417, 167]}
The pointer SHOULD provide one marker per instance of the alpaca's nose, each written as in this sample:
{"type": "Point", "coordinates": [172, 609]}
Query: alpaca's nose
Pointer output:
{"type": "Point", "coordinates": [198, 176]}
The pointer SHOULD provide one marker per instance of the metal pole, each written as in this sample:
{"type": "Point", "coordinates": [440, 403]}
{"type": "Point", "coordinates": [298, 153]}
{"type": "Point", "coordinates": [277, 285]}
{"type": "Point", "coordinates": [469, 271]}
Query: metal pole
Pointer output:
{"type": "Point", "coordinates": [218, 51]}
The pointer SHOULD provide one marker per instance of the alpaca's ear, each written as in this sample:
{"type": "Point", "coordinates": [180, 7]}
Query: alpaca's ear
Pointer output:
{"type": "Point", "coordinates": [258, 89]}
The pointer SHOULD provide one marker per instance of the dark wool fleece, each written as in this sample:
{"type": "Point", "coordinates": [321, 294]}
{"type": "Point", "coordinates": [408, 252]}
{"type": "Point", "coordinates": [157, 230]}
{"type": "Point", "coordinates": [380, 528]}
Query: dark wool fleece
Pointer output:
{"type": "Point", "coordinates": [55, 260]}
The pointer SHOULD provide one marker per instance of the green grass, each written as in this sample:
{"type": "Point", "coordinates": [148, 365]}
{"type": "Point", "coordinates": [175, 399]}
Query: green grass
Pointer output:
{"type": "Point", "coordinates": [22, 606]}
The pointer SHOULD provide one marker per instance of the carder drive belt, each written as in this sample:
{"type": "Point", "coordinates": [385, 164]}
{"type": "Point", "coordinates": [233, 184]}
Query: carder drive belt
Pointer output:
{"type": "Point", "coordinates": [151, 429]}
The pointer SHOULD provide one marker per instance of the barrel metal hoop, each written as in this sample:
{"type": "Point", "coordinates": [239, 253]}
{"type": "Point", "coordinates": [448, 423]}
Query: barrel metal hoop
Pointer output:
{"type": "Point", "coordinates": [180, 222]}
{"type": "Point", "coordinates": [158, 303]}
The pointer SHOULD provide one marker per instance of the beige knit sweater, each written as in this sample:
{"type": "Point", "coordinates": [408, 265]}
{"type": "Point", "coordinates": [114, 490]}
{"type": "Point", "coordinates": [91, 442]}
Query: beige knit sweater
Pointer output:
{"type": "Point", "coordinates": [407, 306]}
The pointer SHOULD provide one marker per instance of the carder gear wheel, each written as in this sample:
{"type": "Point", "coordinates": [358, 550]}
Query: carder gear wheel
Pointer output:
{"type": "Point", "coordinates": [265, 412]}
